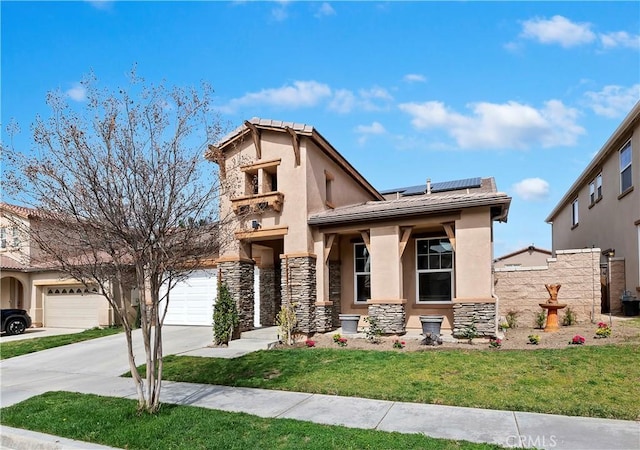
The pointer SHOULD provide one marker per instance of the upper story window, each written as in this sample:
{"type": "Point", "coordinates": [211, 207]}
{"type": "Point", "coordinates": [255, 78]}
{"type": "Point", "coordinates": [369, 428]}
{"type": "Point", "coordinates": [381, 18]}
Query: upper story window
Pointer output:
{"type": "Point", "coordinates": [362, 273]}
{"type": "Point", "coordinates": [16, 237]}
{"type": "Point", "coordinates": [595, 189]}
{"type": "Point", "coordinates": [625, 168]}
{"type": "Point", "coordinates": [434, 270]}
{"type": "Point", "coordinates": [261, 177]}
{"type": "Point", "coordinates": [574, 213]}
{"type": "Point", "coordinates": [3, 238]}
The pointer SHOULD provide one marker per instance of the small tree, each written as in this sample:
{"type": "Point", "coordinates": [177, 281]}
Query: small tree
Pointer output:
{"type": "Point", "coordinates": [287, 321]}
{"type": "Point", "coordinates": [122, 200]}
{"type": "Point", "coordinates": [225, 316]}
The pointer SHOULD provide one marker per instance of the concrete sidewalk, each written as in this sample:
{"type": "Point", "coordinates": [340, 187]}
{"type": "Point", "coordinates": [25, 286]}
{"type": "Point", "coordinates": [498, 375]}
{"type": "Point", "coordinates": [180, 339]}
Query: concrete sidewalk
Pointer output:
{"type": "Point", "coordinates": [24, 377]}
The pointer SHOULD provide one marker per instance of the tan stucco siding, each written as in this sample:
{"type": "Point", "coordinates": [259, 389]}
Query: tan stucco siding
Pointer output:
{"type": "Point", "coordinates": [611, 221]}
{"type": "Point", "coordinates": [386, 279]}
{"type": "Point", "coordinates": [524, 259]}
{"type": "Point", "coordinates": [473, 255]}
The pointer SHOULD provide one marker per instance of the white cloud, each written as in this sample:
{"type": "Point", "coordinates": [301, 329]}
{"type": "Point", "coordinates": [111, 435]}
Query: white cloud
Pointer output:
{"type": "Point", "coordinates": [365, 131]}
{"type": "Point", "coordinates": [299, 95]}
{"type": "Point", "coordinates": [77, 93]}
{"type": "Point", "coordinates": [558, 30]}
{"type": "Point", "coordinates": [374, 99]}
{"type": "Point", "coordinates": [492, 125]}
{"type": "Point", "coordinates": [325, 10]}
{"type": "Point", "coordinates": [280, 13]}
{"type": "Point", "coordinates": [414, 78]}
{"type": "Point", "coordinates": [620, 39]}
{"type": "Point", "coordinates": [343, 101]}
{"type": "Point", "coordinates": [532, 189]}
{"type": "Point", "coordinates": [613, 101]}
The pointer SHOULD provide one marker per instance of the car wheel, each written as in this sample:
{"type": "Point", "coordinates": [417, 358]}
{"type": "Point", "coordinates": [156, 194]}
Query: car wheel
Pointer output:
{"type": "Point", "coordinates": [15, 326]}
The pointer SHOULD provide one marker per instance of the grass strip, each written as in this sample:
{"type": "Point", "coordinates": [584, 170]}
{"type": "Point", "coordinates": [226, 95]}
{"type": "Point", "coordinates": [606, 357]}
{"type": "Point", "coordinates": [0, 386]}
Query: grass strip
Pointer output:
{"type": "Point", "coordinates": [592, 381]}
{"type": "Point", "coordinates": [114, 422]}
{"type": "Point", "coordinates": [21, 347]}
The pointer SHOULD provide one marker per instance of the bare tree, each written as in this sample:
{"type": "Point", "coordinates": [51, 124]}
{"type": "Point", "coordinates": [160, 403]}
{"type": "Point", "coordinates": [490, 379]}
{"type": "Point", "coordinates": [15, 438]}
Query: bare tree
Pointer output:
{"type": "Point", "coordinates": [123, 199]}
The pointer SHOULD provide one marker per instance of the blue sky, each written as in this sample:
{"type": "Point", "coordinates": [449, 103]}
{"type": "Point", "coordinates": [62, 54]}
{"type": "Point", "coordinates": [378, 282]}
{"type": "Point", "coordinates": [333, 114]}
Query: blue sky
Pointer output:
{"type": "Point", "coordinates": [526, 92]}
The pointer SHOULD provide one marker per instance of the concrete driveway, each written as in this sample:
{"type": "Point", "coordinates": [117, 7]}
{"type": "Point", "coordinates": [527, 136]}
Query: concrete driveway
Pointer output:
{"type": "Point", "coordinates": [31, 333]}
{"type": "Point", "coordinates": [93, 363]}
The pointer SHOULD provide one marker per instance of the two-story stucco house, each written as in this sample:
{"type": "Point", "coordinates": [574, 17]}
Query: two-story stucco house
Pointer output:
{"type": "Point", "coordinates": [26, 282]}
{"type": "Point", "coordinates": [602, 209]}
{"type": "Point", "coordinates": [326, 240]}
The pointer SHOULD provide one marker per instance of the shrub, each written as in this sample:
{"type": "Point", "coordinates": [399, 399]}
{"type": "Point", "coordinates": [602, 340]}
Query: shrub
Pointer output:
{"type": "Point", "coordinates": [577, 340]}
{"type": "Point", "coordinates": [310, 343]}
{"type": "Point", "coordinates": [373, 332]}
{"type": "Point", "coordinates": [225, 316]}
{"type": "Point", "coordinates": [603, 330]}
{"type": "Point", "coordinates": [287, 321]}
{"type": "Point", "coordinates": [470, 332]}
{"type": "Point", "coordinates": [541, 318]}
{"type": "Point", "coordinates": [534, 339]}
{"type": "Point", "coordinates": [398, 344]}
{"type": "Point", "coordinates": [495, 342]}
{"type": "Point", "coordinates": [569, 318]}
{"type": "Point", "coordinates": [512, 319]}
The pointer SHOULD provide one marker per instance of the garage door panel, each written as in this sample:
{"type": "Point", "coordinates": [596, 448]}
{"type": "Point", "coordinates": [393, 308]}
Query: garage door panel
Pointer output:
{"type": "Point", "coordinates": [191, 301]}
{"type": "Point", "coordinates": [72, 310]}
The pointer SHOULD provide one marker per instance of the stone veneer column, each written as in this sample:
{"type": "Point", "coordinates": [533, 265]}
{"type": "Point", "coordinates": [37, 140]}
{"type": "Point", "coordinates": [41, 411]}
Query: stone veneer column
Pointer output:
{"type": "Point", "coordinates": [298, 283]}
{"type": "Point", "coordinates": [335, 291]}
{"type": "Point", "coordinates": [268, 308]}
{"type": "Point", "coordinates": [238, 275]}
{"type": "Point", "coordinates": [390, 316]}
{"type": "Point", "coordinates": [483, 315]}
{"type": "Point", "coordinates": [324, 320]}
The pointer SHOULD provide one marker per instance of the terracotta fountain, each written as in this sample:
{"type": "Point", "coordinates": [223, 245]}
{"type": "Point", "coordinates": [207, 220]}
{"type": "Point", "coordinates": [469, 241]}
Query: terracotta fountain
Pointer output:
{"type": "Point", "coordinates": [552, 306]}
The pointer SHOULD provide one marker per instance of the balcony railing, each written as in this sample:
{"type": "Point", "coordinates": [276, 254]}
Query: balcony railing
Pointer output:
{"type": "Point", "coordinates": [258, 202]}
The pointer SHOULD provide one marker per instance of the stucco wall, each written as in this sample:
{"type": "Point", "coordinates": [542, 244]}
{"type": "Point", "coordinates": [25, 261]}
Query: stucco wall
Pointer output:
{"type": "Point", "coordinates": [521, 289]}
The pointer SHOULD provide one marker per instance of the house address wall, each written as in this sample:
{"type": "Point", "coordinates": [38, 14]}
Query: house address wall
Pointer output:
{"type": "Point", "coordinates": [521, 289]}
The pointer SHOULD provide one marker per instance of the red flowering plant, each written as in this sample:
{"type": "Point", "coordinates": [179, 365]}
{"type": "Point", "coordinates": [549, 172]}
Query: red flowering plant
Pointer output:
{"type": "Point", "coordinates": [495, 342]}
{"type": "Point", "coordinates": [398, 344]}
{"type": "Point", "coordinates": [603, 330]}
{"type": "Point", "coordinates": [577, 340]}
{"type": "Point", "coordinates": [310, 343]}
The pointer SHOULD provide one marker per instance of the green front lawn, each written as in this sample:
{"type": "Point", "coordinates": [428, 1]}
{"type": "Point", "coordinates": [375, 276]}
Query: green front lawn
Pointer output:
{"type": "Point", "coordinates": [25, 346]}
{"type": "Point", "coordinates": [114, 422]}
{"type": "Point", "coordinates": [595, 381]}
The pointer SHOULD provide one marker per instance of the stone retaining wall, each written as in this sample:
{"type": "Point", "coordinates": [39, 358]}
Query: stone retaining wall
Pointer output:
{"type": "Point", "coordinates": [521, 289]}
{"type": "Point", "coordinates": [482, 315]}
{"type": "Point", "coordinates": [390, 317]}
{"type": "Point", "coordinates": [238, 275]}
{"type": "Point", "coordinates": [298, 283]}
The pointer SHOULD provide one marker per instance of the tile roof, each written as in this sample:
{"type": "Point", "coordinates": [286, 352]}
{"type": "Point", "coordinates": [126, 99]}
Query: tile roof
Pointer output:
{"type": "Point", "coordinates": [20, 211]}
{"type": "Point", "coordinates": [266, 123]}
{"type": "Point", "coordinates": [411, 206]}
{"type": "Point", "coordinates": [7, 263]}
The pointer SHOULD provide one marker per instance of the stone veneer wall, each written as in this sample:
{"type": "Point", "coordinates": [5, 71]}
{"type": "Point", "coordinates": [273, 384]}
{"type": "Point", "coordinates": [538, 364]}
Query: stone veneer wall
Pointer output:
{"type": "Point", "coordinates": [482, 315]}
{"type": "Point", "coordinates": [521, 289]}
{"type": "Point", "coordinates": [238, 275]}
{"type": "Point", "coordinates": [298, 283]}
{"type": "Point", "coordinates": [617, 283]}
{"type": "Point", "coordinates": [335, 288]}
{"type": "Point", "coordinates": [390, 317]}
{"type": "Point", "coordinates": [324, 319]}
{"type": "Point", "coordinates": [268, 307]}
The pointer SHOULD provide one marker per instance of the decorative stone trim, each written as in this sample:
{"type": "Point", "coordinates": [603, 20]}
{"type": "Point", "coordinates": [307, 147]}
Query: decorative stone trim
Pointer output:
{"type": "Point", "coordinates": [390, 317]}
{"type": "Point", "coordinates": [268, 307]}
{"type": "Point", "coordinates": [482, 315]}
{"type": "Point", "coordinates": [238, 275]}
{"type": "Point", "coordinates": [298, 283]}
{"type": "Point", "coordinates": [324, 320]}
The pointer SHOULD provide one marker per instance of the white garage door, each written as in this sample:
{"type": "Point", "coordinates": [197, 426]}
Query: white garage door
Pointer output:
{"type": "Point", "coordinates": [191, 301]}
{"type": "Point", "coordinates": [72, 307]}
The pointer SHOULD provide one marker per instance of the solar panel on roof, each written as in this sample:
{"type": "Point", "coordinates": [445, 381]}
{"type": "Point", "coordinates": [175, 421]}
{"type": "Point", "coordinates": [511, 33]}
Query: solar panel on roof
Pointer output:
{"type": "Point", "coordinates": [466, 183]}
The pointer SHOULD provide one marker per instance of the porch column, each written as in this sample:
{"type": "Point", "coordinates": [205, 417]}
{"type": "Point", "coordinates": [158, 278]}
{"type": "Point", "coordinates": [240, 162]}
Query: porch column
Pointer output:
{"type": "Point", "coordinates": [386, 304]}
{"type": "Point", "coordinates": [323, 304]}
{"type": "Point", "coordinates": [237, 273]}
{"type": "Point", "coordinates": [298, 281]}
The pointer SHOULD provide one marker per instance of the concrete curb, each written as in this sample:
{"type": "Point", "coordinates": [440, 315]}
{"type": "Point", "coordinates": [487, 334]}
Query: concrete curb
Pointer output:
{"type": "Point", "coordinates": [19, 439]}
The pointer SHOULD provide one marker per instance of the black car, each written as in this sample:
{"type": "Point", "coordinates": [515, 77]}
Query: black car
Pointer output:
{"type": "Point", "coordinates": [15, 321]}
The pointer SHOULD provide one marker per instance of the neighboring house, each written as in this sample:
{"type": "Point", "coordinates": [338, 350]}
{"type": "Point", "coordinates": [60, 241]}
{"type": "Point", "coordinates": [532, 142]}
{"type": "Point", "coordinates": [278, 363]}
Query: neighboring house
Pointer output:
{"type": "Point", "coordinates": [602, 210]}
{"type": "Point", "coordinates": [530, 256]}
{"type": "Point", "coordinates": [327, 241]}
{"type": "Point", "coordinates": [54, 300]}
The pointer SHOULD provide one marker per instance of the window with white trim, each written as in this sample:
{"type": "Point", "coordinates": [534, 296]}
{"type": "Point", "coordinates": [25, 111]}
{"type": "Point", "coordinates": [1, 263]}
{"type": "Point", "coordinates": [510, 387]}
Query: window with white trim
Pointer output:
{"type": "Point", "coordinates": [3, 238]}
{"type": "Point", "coordinates": [574, 213]}
{"type": "Point", "coordinates": [434, 274]}
{"type": "Point", "coordinates": [595, 189]}
{"type": "Point", "coordinates": [16, 237]}
{"type": "Point", "coordinates": [625, 168]}
{"type": "Point", "coordinates": [362, 273]}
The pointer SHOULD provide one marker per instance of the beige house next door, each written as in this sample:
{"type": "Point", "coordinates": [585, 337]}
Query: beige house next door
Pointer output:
{"type": "Point", "coordinates": [72, 307]}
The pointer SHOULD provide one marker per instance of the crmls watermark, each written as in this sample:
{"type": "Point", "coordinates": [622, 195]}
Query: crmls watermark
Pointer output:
{"type": "Point", "coordinates": [541, 441]}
